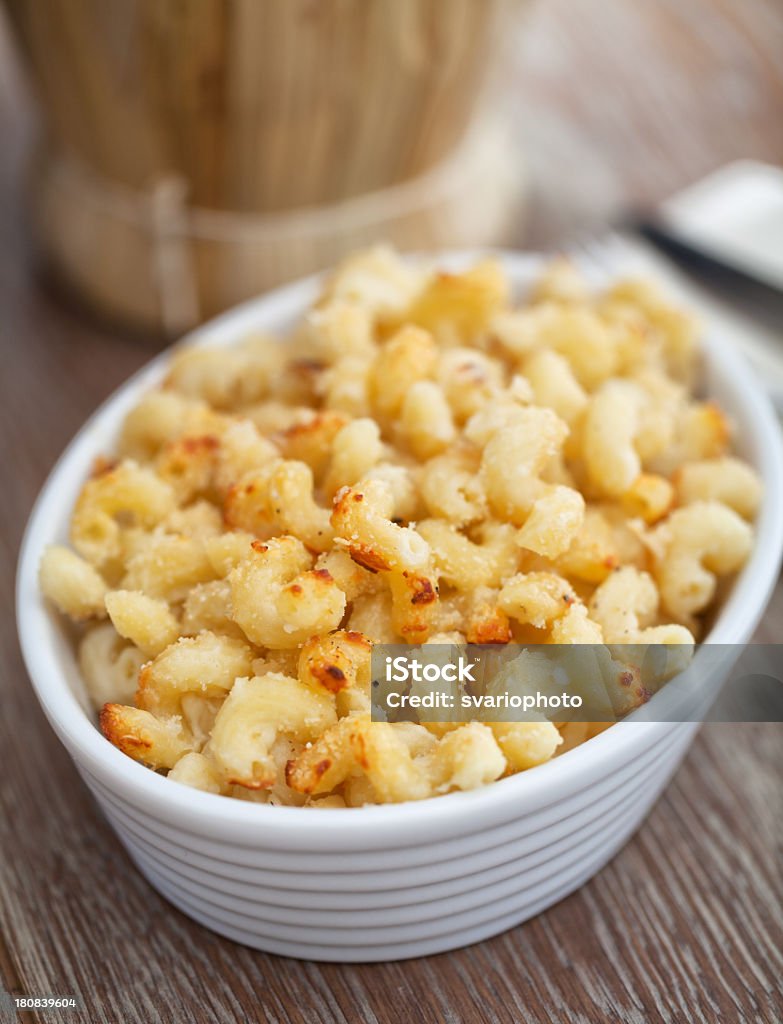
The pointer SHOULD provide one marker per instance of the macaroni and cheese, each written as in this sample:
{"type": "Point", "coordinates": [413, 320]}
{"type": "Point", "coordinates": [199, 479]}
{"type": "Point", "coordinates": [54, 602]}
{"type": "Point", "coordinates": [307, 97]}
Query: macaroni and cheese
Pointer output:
{"type": "Point", "coordinates": [426, 458]}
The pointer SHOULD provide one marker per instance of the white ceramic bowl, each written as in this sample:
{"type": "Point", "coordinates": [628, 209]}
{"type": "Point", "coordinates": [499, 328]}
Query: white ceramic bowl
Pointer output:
{"type": "Point", "coordinates": [388, 882]}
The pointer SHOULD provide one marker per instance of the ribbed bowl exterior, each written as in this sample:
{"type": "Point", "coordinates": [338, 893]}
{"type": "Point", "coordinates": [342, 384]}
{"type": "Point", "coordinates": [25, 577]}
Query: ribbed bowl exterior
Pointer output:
{"type": "Point", "coordinates": [414, 900]}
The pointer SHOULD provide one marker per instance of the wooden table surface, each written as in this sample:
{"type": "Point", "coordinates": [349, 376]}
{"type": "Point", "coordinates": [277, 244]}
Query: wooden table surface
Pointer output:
{"type": "Point", "coordinates": [618, 102]}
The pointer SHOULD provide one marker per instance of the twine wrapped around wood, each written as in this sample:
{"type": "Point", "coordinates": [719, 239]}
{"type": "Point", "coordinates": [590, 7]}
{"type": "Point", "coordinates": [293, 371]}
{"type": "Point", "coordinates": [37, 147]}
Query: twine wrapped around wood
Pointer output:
{"type": "Point", "coordinates": [173, 269]}
{"type": "Point", "coordinates": [150, 259]}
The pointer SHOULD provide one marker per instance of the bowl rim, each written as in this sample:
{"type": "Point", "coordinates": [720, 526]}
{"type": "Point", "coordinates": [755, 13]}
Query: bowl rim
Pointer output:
{"type": "Point", "coordinates": [207, 813]}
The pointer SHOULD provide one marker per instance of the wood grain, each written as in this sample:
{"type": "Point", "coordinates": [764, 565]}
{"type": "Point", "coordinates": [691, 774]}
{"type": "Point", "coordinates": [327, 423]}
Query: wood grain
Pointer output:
{"type": "Point", "coordinates": [235, 96]}
{"type": "Point", "coordinates": [685, 924]}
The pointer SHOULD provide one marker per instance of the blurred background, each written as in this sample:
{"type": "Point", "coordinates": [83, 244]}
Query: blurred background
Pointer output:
{"type": "Point", "coordinates": [182, 156]}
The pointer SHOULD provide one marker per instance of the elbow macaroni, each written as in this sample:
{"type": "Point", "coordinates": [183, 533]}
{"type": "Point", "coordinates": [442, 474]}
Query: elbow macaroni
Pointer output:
{"type": "Point", "coordinates": [424, 462]}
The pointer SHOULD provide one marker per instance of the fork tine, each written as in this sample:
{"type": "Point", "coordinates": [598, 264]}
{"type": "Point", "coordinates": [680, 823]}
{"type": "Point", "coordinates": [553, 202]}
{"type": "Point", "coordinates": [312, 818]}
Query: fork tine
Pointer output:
{"type": "Point", "coordinates": [605, 256]}
{"type": "Point", "coordinates": [591, 254]}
